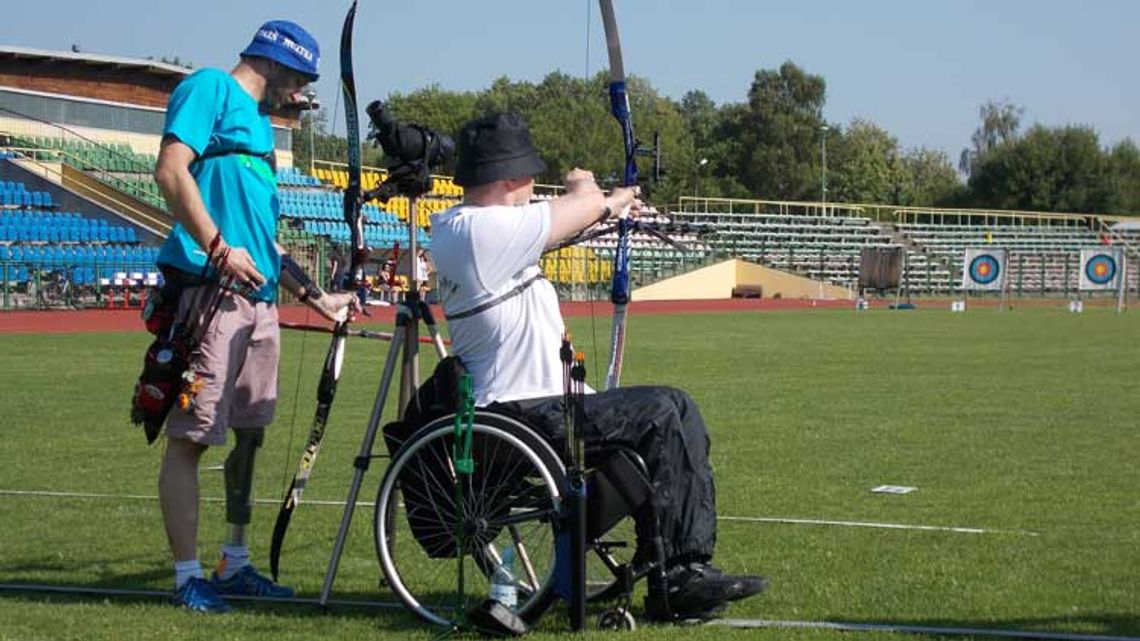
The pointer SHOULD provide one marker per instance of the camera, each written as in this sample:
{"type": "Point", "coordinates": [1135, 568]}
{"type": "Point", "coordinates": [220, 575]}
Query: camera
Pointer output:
{"type": "Point", "coordinates": [407, 142]}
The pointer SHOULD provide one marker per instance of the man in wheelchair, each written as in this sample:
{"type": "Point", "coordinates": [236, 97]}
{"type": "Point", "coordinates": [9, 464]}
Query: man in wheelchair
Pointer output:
{"type": "Point", "coordinates": [506, 328]}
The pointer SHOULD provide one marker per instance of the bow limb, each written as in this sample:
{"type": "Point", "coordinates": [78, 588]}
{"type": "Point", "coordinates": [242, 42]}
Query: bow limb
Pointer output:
{"type": "Point", "coordinates": [354, 278]}
{"type": "Point", "coordinates": [619, 107]}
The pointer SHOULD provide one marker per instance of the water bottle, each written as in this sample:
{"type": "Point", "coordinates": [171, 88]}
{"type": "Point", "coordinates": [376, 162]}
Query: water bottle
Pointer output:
{"type": "Point", "coordinates": [503, 587]}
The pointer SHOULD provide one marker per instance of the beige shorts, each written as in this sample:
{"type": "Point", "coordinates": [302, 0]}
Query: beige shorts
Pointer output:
{"type": "Point", "coordinates": [238, 364]}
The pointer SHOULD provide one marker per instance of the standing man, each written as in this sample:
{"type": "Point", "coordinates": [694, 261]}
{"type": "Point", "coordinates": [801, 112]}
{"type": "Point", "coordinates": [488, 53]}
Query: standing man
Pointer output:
{"type": "Point", "coordinates": [506, 328]}
{"type": "Point", "coordinates": [216, 171]}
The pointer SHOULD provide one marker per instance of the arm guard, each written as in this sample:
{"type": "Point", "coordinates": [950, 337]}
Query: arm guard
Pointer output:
{"type": "Point", "coordinates": [309, 289]}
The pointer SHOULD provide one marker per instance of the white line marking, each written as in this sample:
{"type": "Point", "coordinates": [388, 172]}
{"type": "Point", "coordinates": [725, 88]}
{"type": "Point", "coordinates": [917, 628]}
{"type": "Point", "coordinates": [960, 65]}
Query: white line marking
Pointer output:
{"type": "Point", "coordinates": [917, 629]}
{"type": "Point", "coordinates": [746, 519]}
{"type": "Point", "coordinates": [874, 524]}
{"type": "Point", "coordinates": [79, 590]}
{"type": "Point", "coordinates": [149, 497]}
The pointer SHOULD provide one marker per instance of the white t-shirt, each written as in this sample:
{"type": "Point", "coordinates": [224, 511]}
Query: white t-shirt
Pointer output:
{"type": "Point", "coordinates": [486, 255]}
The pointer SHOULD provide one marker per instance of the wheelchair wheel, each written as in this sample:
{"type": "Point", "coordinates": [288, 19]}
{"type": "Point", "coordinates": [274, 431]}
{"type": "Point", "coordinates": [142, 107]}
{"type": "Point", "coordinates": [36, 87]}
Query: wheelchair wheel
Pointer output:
{"type": "Point", "coordinates": [511, 500]}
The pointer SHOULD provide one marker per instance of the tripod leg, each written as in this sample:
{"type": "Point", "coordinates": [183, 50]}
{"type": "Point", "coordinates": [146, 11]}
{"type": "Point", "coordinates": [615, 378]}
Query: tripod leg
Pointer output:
{"type": "Point", "coordinates": [433, 330]}
{"type": "Point", "coordinates": [403, 320]}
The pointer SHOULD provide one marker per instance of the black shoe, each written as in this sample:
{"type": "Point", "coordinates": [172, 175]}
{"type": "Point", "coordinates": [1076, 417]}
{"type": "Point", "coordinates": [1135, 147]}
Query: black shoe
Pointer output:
{"type": "Point", "coordinates": [699, 591]}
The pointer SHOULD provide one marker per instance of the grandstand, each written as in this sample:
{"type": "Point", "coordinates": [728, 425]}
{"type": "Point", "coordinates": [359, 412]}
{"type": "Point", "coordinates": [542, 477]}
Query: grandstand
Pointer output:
{"type": "Point", "coordinates": [823, 242]}
{"type": "Point", "coordinates": [809, 239]}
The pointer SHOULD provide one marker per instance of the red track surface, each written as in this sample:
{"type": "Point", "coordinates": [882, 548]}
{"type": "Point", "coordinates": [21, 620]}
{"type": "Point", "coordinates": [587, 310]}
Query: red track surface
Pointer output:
{"type": "Point", "coordinates": [127, 320]}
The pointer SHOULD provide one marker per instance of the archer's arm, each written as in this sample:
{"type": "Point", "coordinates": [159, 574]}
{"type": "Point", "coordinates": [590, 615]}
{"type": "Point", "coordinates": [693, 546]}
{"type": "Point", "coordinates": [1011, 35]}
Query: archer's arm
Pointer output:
{"type": "Point", "coordinates": [585, 204]}
{"type": "Point", "coordinates": [296, 281]}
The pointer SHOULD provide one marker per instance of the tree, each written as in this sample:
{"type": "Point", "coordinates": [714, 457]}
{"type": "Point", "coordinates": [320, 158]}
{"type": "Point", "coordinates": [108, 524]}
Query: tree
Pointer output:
{"type": "Point", "coordinates": [1061, 169]}
{"type": "Point", "coordinates": [1001, 120]}
{"type": "Point", "coordinates": [863, 164]}
{"type": "Point", "coordinates": [1123, 176]}
{"type": "Point", "coordinates": [314, 132]}
{"type": "Point", "coordinates": [926, 177]}
{"type": "Point", "coordinates": [780, 134]}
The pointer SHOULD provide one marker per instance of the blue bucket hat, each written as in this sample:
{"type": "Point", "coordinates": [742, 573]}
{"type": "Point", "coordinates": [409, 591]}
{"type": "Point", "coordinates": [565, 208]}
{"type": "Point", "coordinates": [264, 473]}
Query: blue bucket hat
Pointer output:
{"type": "Point", "coordinates": [286, 43]}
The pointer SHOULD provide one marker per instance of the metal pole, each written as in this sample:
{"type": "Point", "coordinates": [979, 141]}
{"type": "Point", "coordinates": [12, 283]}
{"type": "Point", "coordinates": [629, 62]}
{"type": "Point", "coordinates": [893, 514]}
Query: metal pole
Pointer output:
{"type": "Point", "coordinates": [823, 171]}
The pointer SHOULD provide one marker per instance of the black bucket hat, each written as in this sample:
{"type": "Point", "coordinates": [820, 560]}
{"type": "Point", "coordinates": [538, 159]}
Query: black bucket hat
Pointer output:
{"type": "Point", "coordinates": [496, 147]}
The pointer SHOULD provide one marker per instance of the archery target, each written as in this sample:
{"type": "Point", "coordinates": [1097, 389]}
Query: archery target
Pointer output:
{"type": "Point", "coordinates": [984, 269]}
{"type": "Point", "coordinates": [1100, 269]}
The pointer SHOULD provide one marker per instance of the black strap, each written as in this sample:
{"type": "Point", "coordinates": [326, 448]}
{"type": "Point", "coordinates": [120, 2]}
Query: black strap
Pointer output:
{"type": "Point", "coordinates": [269, 157]}
{"type": "Point", "coordinates": [479, 309]}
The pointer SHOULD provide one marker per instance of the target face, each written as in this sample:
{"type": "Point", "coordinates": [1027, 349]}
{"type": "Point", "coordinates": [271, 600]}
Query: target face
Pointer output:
{"type": "Point", "coordinates": [1100, 269]}
{"type": "Point", "coordinates": [984, 269]}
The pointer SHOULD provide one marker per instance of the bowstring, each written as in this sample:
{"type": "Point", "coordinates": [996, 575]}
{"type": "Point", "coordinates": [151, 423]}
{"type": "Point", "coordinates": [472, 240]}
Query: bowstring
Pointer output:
{"type": "Point", "coordinates": [304, 340]}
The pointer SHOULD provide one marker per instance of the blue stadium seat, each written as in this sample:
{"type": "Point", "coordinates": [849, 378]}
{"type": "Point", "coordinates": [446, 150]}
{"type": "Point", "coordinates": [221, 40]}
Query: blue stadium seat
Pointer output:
{"type": "Point", "coordinates": [130, 235]}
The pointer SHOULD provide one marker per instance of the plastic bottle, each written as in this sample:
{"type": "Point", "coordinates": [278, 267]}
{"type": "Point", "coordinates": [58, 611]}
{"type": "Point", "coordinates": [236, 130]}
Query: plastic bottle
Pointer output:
{"type": "Point", "coordinates": [503, 587]}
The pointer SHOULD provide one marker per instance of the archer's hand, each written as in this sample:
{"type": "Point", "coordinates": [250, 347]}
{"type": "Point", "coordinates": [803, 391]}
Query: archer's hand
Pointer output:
{"type": "Point", "coordinates": [337, 307]}
{"type": "Point", "coordinates": [624, 201]}
{"type": "Point", "coordinates": [578, 179]}
{"type": "Point", "coordinates": [236, 263]}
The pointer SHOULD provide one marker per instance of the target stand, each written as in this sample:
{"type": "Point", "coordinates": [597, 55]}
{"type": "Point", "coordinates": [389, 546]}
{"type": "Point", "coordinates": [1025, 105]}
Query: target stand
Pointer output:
{"type": "Point", "coordinates": [985, 270]}
{"type": "Point", "coordinates": [1103, 269]}
{"type": "Point", "coordinates": [882, 271]}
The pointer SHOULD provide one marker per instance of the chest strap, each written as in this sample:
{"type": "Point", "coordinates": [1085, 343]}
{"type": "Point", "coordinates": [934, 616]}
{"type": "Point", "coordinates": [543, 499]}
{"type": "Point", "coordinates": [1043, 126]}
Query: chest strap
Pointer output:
{"type": "Point", "coordinates": [495, 302]}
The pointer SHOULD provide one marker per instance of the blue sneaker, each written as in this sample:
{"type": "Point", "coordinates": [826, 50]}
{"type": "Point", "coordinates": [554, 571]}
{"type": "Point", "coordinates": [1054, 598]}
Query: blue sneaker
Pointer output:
{"type": "Point", "coordinates": [248, 582]}
{"type": "Point", "coordinates": [200, 596]}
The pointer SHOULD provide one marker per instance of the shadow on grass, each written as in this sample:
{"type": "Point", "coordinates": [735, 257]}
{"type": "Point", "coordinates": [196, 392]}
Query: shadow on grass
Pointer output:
{"type": "Point", "coordinates": [151, 586]}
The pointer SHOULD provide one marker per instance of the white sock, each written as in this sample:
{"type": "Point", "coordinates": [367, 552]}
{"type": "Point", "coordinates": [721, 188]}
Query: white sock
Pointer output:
{"type": "Point", "coordinates": [234, 558]}
{"type": "Point", "coordinates": [186, 570]}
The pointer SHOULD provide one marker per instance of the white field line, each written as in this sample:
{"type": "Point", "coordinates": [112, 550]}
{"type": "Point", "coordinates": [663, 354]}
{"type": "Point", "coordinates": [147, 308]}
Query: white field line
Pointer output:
{"type": "Point", "coordinates": [917, 629]}
{"type": "Point", "coordinates": [875, 524]}
{"type": "Point", "coordinates": [746, 519]}
{"type": "Point", "coordinates": [151, 497]}
{"type": "Point", "coordinates": [81, 590]}
{"type": "Point", "coordinates": [733, 623]}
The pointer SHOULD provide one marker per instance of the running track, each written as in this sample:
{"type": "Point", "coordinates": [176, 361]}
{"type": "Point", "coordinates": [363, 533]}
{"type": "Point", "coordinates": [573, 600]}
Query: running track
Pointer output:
{"type": "Point", "coordinates": [127, 320]}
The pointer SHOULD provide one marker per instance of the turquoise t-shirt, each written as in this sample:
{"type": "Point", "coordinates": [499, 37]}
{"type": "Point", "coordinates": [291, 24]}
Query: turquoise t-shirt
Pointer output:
{"type": "Point", "coordinates": [211, 113]}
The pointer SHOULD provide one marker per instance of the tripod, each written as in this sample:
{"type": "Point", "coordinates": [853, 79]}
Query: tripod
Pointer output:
{"type": "Point", "coordinates": [405, 343]}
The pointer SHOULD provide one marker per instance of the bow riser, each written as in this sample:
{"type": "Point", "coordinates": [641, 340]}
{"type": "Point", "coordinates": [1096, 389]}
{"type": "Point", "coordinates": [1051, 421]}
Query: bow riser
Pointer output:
{"type": "Point", "coordinates": [619, 107]}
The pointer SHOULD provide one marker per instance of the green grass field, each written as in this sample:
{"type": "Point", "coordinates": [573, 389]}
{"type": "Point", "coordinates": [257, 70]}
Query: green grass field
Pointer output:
{"type": "Point", "coordinates": [1021, 423]}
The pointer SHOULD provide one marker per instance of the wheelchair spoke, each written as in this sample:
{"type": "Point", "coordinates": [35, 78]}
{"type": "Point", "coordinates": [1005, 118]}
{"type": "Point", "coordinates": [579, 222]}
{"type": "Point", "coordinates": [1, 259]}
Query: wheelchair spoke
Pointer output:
{"type": "Point", "coordinates": [524, 556]}
{"type": "Point", "coordinates": [509, 501]}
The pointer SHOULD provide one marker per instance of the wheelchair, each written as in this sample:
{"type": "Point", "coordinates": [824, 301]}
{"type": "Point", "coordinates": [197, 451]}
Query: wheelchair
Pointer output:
{"type": "Point", "coordinates": [512, 500]}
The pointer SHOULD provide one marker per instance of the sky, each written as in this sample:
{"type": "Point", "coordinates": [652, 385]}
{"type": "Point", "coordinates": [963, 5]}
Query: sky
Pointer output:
{"type": "Point", "coordinates": [918, 68]}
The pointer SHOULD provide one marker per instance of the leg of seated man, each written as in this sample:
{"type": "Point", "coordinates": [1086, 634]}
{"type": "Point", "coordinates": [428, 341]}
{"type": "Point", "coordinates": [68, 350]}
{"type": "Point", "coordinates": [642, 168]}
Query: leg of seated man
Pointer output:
{"type": "Point", "coordinates": [665, 427]}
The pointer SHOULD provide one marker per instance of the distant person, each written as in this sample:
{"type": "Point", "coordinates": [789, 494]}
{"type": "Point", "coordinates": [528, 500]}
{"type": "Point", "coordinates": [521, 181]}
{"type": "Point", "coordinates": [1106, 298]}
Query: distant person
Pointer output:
{"type": "Point", "coordinates": [215, 170]}
{"type": "Point", "coordinates": [423, 273]}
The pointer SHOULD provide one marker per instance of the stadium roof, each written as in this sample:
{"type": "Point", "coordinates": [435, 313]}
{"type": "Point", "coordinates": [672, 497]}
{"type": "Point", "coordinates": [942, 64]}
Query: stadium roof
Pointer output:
{"type": "Point", "coordinates": [95, 60]}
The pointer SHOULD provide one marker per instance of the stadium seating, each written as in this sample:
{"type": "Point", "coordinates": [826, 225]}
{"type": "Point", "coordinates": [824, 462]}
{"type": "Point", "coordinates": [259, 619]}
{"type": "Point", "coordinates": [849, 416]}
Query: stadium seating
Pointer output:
{"type": "Point", "coordinates": [38, 242]}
